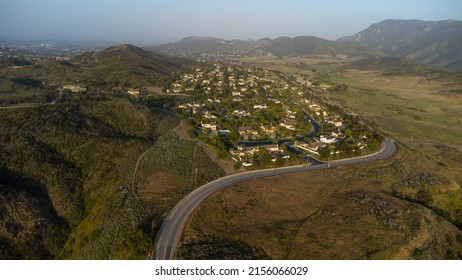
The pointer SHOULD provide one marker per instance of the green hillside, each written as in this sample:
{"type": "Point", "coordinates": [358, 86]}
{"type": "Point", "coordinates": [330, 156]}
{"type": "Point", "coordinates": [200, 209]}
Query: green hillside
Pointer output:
{"type": "Point", "coordinates": [66, 178]}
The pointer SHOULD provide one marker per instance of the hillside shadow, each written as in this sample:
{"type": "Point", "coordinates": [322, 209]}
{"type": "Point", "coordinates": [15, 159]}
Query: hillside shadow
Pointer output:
{"type": "Point", "coordinates": [31, 227]}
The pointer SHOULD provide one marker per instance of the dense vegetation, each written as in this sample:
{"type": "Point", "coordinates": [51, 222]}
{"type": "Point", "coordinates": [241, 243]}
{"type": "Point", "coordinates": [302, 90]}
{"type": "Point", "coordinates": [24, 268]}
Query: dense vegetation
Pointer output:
{"type": "Point", "coordinates": [66, 173]}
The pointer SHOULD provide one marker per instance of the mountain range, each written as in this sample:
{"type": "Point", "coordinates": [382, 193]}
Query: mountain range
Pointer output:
{"type": "Point", "coordinates": [428, 42]}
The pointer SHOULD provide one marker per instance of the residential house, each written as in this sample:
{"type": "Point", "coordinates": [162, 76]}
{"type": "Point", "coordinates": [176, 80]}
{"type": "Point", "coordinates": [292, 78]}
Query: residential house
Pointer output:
{"type": "Point", "coordinates": [328, 139]}
{"type": "Point", "coordinates": [312, 146]}
{"type": "Point", "coordinates": [288, 123]}
{"type": "Point", "coordinates": [315, 107]}
{"type": "Point", "coordinates": [260, 107]}
{"type": "Point", "coordinates": [242, 152]}
{"type": "Point", "coordinates": [241, 113]}
{"type": "Point", "coordinates": [269, 130]}
{"type": "Point", "coordinates": [246, 131]}
{"type": "Point", "coordinates": [208, 115]}
{"type": "Point", "coordinates": [209, 125]}
{"type": "Point", "coordinates": [337, 133]}
{"type": "Point", "coordinates": [334, 120]}
{"type": "Point", "coordinates": [271, 147]}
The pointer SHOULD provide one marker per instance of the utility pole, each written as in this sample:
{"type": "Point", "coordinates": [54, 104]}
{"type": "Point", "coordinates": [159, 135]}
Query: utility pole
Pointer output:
{"type": "Point", "coordinates": [193, 168]}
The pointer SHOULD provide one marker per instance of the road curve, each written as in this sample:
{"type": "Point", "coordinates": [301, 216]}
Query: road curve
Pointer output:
{"type": "Point", "coordinates": [170, 232]}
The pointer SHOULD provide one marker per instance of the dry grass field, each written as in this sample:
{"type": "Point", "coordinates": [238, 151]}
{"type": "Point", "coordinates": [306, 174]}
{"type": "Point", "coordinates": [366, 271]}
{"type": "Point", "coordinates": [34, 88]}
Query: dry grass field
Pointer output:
{"type": "Point", "coordinates": [161, 185]}
{"type": "Point", "coordinates": [418, 108]}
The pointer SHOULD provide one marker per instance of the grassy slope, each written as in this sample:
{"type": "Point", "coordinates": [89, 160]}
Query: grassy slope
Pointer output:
{"type": "Point", "coordinates": [382, 210]}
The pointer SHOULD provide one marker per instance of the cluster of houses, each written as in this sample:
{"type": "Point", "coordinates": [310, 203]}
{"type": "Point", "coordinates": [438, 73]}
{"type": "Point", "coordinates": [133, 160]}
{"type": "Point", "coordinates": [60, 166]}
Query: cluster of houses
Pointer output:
{"type": "Point", "coordinates": [206, 54]}
{"type": "Point", "coordinates": [220, 77]}
{"type": "Point", "coordinates": [248, 132]}
{"type": "Point", "coordinates": [251, 94]}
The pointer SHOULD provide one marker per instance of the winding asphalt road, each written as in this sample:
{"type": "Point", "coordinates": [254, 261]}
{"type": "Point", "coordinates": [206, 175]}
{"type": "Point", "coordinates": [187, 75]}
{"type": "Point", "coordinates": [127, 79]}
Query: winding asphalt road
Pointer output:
{"type": "Point", "coordinates": [172, 227]}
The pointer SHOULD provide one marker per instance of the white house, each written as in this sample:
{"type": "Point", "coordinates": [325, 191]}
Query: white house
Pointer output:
{"type": "Point", "coordinates": [328, 139]}
{"type": "Point", "coordinates": [260, 106]}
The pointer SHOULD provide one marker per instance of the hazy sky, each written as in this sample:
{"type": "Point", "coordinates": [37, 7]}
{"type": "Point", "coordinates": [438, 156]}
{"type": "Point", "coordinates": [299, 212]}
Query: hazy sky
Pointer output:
{"type": "Point", "coordinates": [155, 21]}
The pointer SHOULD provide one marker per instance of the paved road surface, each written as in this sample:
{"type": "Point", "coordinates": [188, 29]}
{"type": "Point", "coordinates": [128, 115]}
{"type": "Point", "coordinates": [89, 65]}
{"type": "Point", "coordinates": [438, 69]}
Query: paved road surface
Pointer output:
{"type": "Point", "coordinates": [172, 227]}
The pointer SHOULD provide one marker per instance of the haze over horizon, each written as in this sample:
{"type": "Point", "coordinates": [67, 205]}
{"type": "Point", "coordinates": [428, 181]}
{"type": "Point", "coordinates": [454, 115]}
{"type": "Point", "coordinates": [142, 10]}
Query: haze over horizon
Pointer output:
{"type": "Point", "coordinates": [155, 22]}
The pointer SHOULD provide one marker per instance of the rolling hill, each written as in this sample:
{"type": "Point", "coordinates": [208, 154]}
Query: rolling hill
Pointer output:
{"type": "Point", "coordinates": [127, 64]}
{"type": "Point", "coordinates": [427, 42]}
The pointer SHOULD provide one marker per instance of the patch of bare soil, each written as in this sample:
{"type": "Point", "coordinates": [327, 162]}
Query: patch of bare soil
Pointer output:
{"type": "Point", "coordinates": [161, 185]}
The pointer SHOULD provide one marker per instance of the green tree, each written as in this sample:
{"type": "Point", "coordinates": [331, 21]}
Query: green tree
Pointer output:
{"type": "Point", "coordinates": [324, 154]}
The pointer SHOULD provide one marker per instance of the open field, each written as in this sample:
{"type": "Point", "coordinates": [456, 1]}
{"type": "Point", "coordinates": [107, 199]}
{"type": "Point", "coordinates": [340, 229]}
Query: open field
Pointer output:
{"type": "Point", "coordinates": [407, 207]}
{"type": "Point", "coordinates": [298, 64]}
{"type": "Point", "coordinates": [413, 105]}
